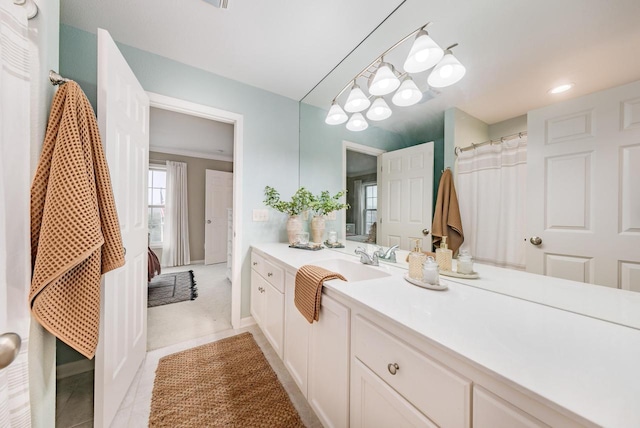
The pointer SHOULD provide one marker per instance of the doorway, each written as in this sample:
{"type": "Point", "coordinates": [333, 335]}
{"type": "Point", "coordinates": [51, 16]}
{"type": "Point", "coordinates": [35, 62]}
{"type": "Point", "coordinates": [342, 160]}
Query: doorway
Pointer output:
{"type": "Point", "coordinates": [360, 175]}
{"type": "Point", "coordinates": [228, 271]}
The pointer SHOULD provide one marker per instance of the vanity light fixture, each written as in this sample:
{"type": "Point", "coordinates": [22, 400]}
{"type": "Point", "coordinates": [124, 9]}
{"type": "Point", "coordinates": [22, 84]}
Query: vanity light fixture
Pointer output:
{"type": "Point", "coordinates": [336, 115]}
{"type": "Point", "coordinates": [408, 94]}
{"type": "Point", "coordinates": [379, 110]}
{"type": "Point", "coordinates": [383, 78]}
{"type": "Point", "coordinates": [448, 71]}
{"type": "Point", "coordinates": [357, 123]}
{"type": "Point", "coordinates": [561, 88]}
{"type": "Point", "coordinates": [424, 54]}
{"type": "Point", "coordinates": [357, 100]}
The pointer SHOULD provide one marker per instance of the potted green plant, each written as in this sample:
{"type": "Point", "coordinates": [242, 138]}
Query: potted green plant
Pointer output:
{"type": "Point", "coordinates": [322, 205]}
{"type": "Point", "coordinates": [298, 203]}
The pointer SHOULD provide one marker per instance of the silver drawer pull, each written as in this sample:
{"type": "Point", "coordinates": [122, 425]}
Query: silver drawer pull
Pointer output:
{"type": "Point", "coordinates": [255, 263]}
{"type": "Point", "coordinates": [269, 274]}
{"type": "Point", "coordinates": [393, 368]}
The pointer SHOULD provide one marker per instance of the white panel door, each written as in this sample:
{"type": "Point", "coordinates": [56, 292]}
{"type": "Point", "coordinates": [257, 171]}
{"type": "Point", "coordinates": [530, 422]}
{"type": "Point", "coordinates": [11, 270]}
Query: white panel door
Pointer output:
{"type": "Point", "coordinates": [123, 118]}
{"type": "Point", "coordinates": [405, 196]}
{"type": "Point", "coordinates": [218, 199]}
{"type": "Point", "coordinates": [583, 168]}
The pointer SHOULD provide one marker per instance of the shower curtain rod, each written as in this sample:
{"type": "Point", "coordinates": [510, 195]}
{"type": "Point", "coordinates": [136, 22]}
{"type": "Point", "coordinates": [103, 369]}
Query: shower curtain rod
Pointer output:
{"type": "Point", "coordinates": [500, 140]}
{"type": "Point", "coordinates": [56, 79]}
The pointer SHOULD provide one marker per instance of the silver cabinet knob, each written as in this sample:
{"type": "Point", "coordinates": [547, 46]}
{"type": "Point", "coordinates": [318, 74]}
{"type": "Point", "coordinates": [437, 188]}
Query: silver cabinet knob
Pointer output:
{"type": "Point", "coordinates": [535, 240]}
{"type": "Point", "coordinates": [393, 368]}
{"type": "Point", "coordinates": [208, 221]}
{"type": "Point", "coordinates": [255, 263]}
{"type": "Point", "coordinates": [425, 232]}
{"type": "Point", "coordinates": [9, 348]}
{"type": "Point", "coordinates": [269, 274]}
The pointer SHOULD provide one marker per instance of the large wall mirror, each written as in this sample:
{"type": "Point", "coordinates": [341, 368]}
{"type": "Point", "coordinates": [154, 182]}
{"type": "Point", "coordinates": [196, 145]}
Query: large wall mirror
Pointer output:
{"type": "Point", "coordinates": [514, 53]}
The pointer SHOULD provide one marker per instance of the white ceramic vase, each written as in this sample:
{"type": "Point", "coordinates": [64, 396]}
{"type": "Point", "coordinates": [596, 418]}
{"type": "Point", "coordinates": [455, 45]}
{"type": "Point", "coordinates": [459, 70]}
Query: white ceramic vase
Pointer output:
{"type": "Point", "coordinates": [317, 228]}
{"type": "Point", "coordinates": [294, 226]}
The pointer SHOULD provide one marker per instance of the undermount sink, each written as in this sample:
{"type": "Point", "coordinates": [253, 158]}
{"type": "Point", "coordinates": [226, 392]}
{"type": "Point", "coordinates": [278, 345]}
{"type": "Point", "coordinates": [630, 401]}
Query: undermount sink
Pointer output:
{"type": "Point", "coordinates": [352, 271]}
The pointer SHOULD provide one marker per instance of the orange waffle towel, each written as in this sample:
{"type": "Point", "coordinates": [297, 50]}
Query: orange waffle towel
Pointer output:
{"type": "Point", "coordinates": [75, 234]}
{"type": "Point", "coordinates": [308, 290]}
{"type": "Point", "coordinates": [446, 219]}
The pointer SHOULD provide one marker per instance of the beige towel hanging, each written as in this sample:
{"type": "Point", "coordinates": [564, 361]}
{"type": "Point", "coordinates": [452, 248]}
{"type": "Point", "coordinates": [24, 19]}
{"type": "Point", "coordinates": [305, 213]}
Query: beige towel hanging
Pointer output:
{"type": "Point", "coordinates": [308, 289]}
{"type": "Point", "coordinates": [446, 219]}
{"type": "Point", "coordinates": [75, 234]}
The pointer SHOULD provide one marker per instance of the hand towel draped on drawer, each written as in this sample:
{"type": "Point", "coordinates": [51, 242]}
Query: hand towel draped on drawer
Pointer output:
{"type": "Point", "coordinates": [308, 290]}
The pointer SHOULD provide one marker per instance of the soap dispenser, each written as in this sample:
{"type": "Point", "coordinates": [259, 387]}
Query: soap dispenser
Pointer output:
{"type": "Point", "coordinates": [416, 259]}
{"type": "Point", "coordinates": [444, 255]}
{"type": "Point", "coordinates": [430, 273]}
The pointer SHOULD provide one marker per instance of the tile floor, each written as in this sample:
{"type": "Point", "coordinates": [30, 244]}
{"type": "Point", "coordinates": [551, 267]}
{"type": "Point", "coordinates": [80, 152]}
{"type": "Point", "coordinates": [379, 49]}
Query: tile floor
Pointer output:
{"type": "Point", "coordinates": [75, 401]}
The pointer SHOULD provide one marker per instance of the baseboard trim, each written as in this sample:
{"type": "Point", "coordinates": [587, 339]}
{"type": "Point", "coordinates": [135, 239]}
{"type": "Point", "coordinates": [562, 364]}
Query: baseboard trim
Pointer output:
{"type": "Point", "coordinates": [197, 262]}
{"type": "Point", "coordinates": [247, 321]}
{"type": "Point", "coordinates": [73, 368]}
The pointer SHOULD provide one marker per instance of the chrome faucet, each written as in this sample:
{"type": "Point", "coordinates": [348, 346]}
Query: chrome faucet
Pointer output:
{"type": "Point", "coordinates": [366, 259]}
{"type": "Point", "coordinates": [389, 255]}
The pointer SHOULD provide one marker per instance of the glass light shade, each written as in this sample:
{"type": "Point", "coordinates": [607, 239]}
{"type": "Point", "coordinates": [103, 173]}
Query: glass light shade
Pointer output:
{"type": "Point", "coordinates": [384, 80]}
{"type": "Point", "coordinates": [357, 100]}
{"type": "Point", "coordinates": [408, 94]}
{"type": "Point", "coordinates": [424, 54]}
{"type": "Point", "coordinates": [379, 110]}
{"type": "Point", "coordinates": [336, 115]}
{"type": "Point", "coordinates": [357, 123]}
{"type": "Point", "coordinates": [447, 72]}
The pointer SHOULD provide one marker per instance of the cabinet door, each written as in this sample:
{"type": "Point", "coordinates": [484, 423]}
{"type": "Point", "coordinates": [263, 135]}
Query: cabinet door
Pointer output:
{"type": "Point", "coordinates": [490, 411]}
{"type": "Point", "coordinates": [375, 404]}
{"type": "Point", "coordinates": [296, 337]}
{"type": "Point", "coordinates": [328, 388]}
{"type": "Point", "coordinates": [257, 296]}
{"type": "Point", "coordinates": [273, 317]}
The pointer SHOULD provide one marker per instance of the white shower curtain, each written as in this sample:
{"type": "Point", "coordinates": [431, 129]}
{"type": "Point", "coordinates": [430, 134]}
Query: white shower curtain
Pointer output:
{"type": "Point", "coordinates": [357, 206]}
{"type": "Point", "coordinates": [175, 247]}
{"type": "Point", "coordinates": [15, 90]}
{"type": "Point", "coordinates": [491, 185]}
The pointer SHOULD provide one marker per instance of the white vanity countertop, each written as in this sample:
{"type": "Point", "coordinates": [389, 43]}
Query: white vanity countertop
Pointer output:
{"type": "Point", "coordinates": [585, 365]}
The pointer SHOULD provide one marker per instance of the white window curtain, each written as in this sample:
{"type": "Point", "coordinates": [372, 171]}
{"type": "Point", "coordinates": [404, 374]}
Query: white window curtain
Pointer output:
{"type": "Point", "coordinates": [175, 248]}
{"type": "Point", "coordinates": [15, 178]}
{"type": "Point", "coordinates": [491, 184]}
{"type": "Point", "coordinates": [357, 206]}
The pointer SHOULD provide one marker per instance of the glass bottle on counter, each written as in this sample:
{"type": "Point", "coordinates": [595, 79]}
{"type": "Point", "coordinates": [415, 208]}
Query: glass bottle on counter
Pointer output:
{"type": "Point", "coordinates": [416, 259]}
{"type": "Point", "coordinates": [430, 273]}
{"type": "Point", "coordinates": [465, 262]}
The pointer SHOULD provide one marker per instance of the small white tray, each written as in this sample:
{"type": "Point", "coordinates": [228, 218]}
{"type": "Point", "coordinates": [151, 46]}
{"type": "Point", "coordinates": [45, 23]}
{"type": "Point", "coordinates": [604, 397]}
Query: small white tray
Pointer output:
{"type": "Point", "coordinates": [472, 275]}
{"type": "Point", "coordinates": [419, 283]}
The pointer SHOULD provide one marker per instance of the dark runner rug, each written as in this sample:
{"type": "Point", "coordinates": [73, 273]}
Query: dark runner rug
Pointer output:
{"type": "Point", "coordinates": [171, 288]}
{"type": "Point", "coordinates": [227, 383]}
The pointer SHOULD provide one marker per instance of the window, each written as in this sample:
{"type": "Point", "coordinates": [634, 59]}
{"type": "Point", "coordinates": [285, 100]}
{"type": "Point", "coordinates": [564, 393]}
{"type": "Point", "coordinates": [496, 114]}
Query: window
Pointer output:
{"type": "Point", "coordinates": [371, 205]}
{"type": "Point", "coordinates": [157, 199]}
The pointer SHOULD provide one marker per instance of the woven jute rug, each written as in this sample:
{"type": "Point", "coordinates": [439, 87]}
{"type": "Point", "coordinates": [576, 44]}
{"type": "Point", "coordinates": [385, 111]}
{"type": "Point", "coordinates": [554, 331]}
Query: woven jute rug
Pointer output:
{"type": "Point", "coordinates": [171, 288]}
{"type": "Point", "coordinates": [227, 383]}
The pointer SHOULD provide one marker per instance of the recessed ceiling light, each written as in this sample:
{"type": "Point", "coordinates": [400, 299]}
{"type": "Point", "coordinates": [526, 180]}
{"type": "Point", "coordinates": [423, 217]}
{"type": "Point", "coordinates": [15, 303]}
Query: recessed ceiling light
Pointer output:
{"type": "Point", "coordinates": [561, 88]}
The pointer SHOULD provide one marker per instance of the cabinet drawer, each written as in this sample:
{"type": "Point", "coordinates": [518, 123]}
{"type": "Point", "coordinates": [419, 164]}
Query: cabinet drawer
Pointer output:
{"type": "Point", "coordinates": [441, 394]}
{"type": "Point", "coordinates": [274, 275]}
{"type": "Point", "coordinates": [490, 411]}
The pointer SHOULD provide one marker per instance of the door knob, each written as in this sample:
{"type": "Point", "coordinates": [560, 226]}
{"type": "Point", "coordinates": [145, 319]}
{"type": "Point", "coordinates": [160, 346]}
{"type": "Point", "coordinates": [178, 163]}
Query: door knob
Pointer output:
{"type": "Point", "coordinates": [9, 348]}
{"type": "Point", "coordinates": [208, 221]}
{"type": "Point", "coordinates": [393, 368]}
{"type": "Point", "coordinates": [535, 240]}
{"type": "Point", "coordinates": [425, 232]}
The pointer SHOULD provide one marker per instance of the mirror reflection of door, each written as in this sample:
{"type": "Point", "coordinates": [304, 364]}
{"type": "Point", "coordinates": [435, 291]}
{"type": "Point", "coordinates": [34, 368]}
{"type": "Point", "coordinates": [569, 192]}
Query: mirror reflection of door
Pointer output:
{"type": "Point", "coordinates": [362, 196]}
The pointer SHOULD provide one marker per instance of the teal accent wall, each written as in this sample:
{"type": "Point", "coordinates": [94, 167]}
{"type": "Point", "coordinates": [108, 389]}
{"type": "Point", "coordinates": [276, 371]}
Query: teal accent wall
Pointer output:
{"type": "Point", "coordinates": [271, 149]}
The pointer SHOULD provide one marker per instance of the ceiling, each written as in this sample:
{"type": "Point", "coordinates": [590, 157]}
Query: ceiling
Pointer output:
{"type": "Point", "coordinates": [514, 50]}
{"type": "Point", "coordinates": [194, 136]}
{"type": "Point", "coordinates": [360, 163]}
